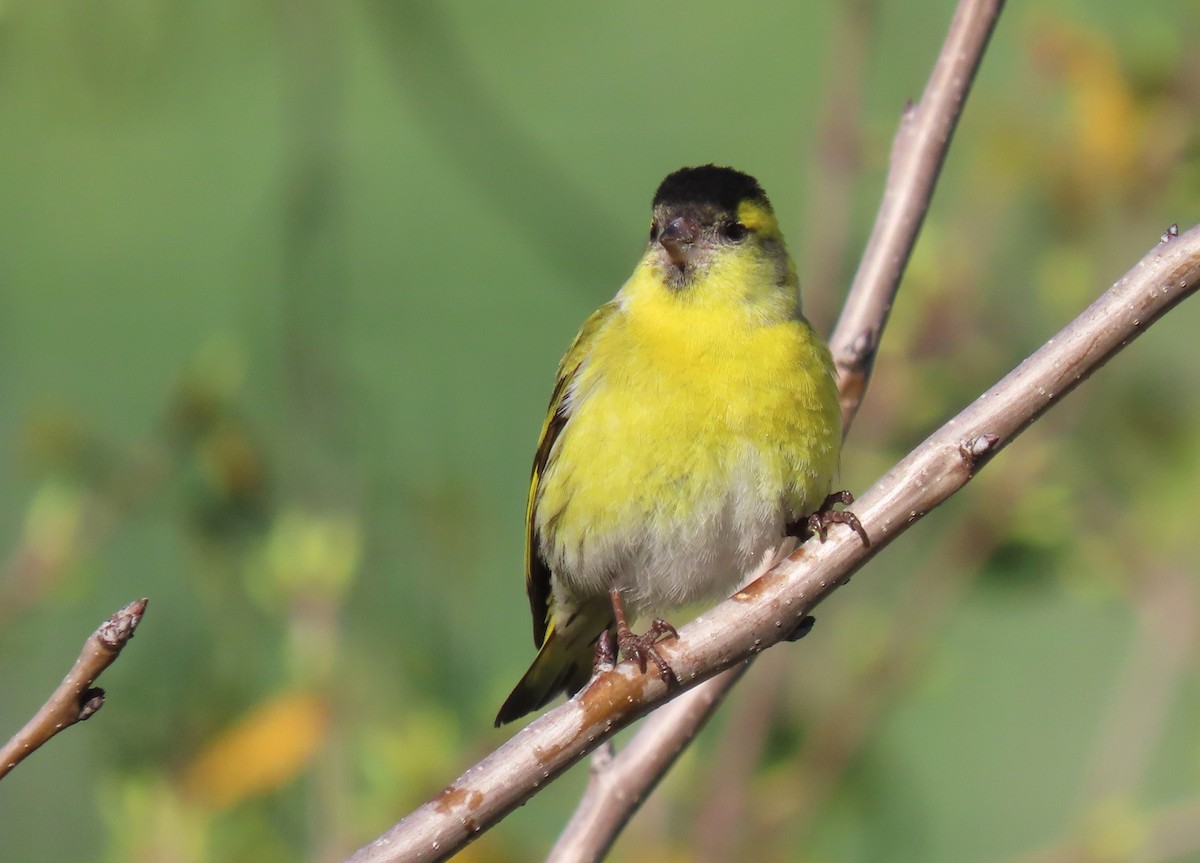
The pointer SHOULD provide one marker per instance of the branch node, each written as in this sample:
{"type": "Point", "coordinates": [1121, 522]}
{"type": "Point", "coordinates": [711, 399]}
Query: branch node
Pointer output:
{"type": "Point", "coordinates": [803, 628]}
{"type": "Point", "coordinates": [603, 757]}
{"type": "Point", "coordinates": [90, 700]}
{"type": "Point", "coordinates": [861, 350]}
{"type": "Point", "coordinates": [1169, 234]}
{"type": "Point", "coordinates": [974, 449]}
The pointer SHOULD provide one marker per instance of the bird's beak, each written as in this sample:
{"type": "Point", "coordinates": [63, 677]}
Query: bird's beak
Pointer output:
{"type": "Point", "coordinates": [678, 237]}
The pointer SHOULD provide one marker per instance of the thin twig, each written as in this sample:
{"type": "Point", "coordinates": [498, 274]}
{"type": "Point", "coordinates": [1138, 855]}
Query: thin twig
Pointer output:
{"type": "Point", "coordinates": [771, 608]}
{"type": "Point", "coordinates": [75, 699]}
{"type": "Point", "coordinates": [628, 778]}
{"type": "Point", "coordinates": [918, 152]}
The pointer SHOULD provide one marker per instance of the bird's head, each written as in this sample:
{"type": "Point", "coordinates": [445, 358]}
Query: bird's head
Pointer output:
{"type": "Point", "coordinates": [713, 229]}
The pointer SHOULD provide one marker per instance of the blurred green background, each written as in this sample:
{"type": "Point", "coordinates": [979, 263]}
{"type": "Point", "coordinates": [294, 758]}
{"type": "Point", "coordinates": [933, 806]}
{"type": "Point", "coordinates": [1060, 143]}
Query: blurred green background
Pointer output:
{"type": "Point", "coordinates": [282, 288]}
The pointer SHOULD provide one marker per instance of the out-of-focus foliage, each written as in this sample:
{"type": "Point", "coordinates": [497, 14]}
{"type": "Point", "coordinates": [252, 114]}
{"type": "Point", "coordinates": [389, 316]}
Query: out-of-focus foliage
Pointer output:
{"type": "Point", "coordinates": [282, 287]}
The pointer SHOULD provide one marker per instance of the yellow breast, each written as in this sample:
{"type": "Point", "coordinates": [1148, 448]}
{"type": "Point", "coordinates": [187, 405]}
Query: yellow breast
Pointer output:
{"type": "Point", "coordinates": [695, 429]}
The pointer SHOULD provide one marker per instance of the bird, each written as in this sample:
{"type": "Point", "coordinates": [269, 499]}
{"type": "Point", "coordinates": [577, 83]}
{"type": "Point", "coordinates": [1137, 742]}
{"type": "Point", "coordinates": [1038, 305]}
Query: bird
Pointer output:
{"type": "Point", "coordinates": [694, 421]}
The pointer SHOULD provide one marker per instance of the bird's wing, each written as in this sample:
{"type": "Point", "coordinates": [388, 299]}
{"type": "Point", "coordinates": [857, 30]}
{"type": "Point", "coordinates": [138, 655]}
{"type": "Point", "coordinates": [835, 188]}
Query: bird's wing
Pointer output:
{"type": "Point", "coordinates": [537, 571]}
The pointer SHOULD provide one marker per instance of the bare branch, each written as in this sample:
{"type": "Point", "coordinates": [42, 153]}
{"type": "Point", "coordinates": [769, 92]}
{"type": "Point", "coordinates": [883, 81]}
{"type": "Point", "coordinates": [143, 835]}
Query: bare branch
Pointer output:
{"type": "Point", "coordinates": [771, 608]}
{"type": "Point", "coordinates": [75, 699]}
{"type": "Point", "coordinates": [918, 151]}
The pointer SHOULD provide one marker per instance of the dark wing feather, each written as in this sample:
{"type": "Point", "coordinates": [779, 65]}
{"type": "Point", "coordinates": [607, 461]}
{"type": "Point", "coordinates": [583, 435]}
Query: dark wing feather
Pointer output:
{"type": "Point", "coordinates": [537, 571]}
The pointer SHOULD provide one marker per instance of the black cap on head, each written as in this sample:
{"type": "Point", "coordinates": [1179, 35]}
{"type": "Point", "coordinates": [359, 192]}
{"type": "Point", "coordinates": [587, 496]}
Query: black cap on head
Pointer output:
{"type": "Point", "coordinates": [710, 185]}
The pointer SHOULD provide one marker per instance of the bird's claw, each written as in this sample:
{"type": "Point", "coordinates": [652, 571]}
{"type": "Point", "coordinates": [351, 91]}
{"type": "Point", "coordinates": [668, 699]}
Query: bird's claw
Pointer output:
{"type": "Point", "coordinates": [826, 516]}
{"type": "Point", "coordinates": [641, 648]}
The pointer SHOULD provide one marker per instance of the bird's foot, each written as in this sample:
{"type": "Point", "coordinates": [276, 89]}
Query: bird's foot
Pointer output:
{"type": "Point", "coordinates": [642, 648]}
{"type": "Point", "coordinates": [826, 516]}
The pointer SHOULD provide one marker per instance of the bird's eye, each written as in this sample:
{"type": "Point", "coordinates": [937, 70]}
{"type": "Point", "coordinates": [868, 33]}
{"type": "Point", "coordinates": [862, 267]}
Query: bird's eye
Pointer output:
{"type": "Point", "coordinates": [734, 231]}
{"type": "Point", "coordinates": [653, 231]}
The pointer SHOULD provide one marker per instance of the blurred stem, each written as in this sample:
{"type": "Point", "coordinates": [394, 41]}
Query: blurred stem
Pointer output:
{"type": "Point", "coordinates": [315, 288]}
{"type": "Point", "coordinates": [315, 313]}
{"type": "Point", "coordinates": [1170, 834]}
{"type": "Point", "coordinates": [721, 821]}
{"type": "Point", "coordinates": [1163, 644]}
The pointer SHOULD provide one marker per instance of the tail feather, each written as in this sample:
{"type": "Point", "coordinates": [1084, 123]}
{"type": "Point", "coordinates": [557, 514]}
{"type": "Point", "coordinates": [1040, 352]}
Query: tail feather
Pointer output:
{"type": "Point", "coordinates": [563, 664]}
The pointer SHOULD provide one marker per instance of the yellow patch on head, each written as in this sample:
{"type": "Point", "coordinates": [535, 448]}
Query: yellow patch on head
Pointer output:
{"type": "Point", "coordinates": [758, 218]}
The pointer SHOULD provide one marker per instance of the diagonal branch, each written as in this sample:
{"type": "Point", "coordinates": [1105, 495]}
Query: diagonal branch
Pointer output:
{"type": "Point", "coordinates": [771, 608]}
{"type": "Point", "coordinates": [75, 699]}
{"type": "Point", "coordinates": [918, 151]}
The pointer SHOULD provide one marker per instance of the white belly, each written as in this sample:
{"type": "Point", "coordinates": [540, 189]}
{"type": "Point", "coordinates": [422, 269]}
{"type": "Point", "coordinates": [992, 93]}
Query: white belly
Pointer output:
{"type": "Point", "coordinates": [660, 563]}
